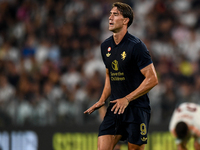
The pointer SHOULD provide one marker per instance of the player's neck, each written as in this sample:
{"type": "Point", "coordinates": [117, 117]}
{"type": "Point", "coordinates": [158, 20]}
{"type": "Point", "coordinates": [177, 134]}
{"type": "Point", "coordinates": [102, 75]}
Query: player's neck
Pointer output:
{"type": "Point", "coordinates": [119, 36]}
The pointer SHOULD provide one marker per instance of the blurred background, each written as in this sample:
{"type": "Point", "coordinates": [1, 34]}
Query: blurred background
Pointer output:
{"type": "Point", "coordinates": [51, 68]}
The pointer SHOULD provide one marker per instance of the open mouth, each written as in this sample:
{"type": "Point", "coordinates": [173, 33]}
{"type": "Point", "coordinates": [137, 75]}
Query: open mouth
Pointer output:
{"type": "Point", "coordinates": [111, 24]}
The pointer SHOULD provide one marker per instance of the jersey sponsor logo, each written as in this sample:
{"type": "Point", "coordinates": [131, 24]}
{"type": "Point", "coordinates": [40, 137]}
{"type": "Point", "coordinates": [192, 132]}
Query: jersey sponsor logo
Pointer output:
{"type": "Point", "coordinates": [143, 139]}
{"type": "Point", "coordinates": [109, 49]}
{"type": "Point", "coordinates": [108, 54]}
{"type": "Point", "coordinates": [115, 65]}
{"type": "Point", "coordinates": [123, 55]}
{"type": "Point", "coordinates": [117, 76]}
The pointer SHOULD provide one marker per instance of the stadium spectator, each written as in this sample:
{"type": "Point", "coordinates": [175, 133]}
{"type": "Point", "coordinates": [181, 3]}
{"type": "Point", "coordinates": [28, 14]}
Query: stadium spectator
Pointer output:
{"type": "Point", "coordinates": [69, 34]}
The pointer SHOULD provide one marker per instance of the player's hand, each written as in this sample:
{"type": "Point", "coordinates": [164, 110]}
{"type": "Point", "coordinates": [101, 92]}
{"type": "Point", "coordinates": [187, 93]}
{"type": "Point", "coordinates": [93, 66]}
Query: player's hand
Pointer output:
{"type": "Point", "coordinates": [120, 105]}
{"type": "Point", "coordinates": [97, 105]}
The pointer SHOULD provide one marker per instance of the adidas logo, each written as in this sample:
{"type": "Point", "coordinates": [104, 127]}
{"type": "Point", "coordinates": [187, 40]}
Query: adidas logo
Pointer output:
{"type": "Point", "coordinates": [143, 139]}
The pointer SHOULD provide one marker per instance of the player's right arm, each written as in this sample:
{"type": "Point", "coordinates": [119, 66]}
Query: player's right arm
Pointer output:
{"type": "Point", "coordinates": [173, 122]}
{"type": "Point", "coordinates": [105, 94]}
{"type": "Point", "coordinates": [182, 146]}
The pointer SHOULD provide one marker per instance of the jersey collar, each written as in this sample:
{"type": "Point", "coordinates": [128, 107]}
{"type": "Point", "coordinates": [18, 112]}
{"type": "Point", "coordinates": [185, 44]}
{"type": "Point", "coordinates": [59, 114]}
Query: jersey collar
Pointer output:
{"type": "Point", "coordinates": [122, 41]}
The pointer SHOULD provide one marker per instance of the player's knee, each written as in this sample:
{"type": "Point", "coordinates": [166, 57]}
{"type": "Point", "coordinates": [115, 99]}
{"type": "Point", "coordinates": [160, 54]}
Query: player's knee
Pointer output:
{"type": "Point", "coordinates": [105, 146]}
{"type": "Point", "coordinates": [196, 145]}
{"type": "Point", "coordinates": [135, 147]}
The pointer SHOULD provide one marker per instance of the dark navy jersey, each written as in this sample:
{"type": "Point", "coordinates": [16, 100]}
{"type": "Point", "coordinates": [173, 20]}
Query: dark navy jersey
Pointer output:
{"type": "Point", "coordinates": [124, 62]}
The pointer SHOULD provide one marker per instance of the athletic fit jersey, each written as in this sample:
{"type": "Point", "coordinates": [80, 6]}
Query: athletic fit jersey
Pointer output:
{"type": "Point", "coordinates": [188, 113]}
{"type": "Point", "coordinates": [124, 62]}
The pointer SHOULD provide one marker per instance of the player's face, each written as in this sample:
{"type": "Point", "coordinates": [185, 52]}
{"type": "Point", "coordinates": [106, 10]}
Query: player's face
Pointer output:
{"type": "Point", "coordinates": [116, 20]}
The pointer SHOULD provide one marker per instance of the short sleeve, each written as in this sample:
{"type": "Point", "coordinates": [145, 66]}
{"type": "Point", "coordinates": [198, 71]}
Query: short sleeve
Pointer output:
{"type": "Point", "coordinates": [141, 55]}
{"type": "Point", "coordinates": [103, 55]}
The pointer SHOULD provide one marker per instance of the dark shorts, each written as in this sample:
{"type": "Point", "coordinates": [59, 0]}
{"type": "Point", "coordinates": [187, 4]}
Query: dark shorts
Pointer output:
{"type": "Point", "coordinates": [132, 125]}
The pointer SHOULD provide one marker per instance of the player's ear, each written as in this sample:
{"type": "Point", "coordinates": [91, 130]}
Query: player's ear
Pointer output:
{"type": "Point", "coordinates": [126, 20]}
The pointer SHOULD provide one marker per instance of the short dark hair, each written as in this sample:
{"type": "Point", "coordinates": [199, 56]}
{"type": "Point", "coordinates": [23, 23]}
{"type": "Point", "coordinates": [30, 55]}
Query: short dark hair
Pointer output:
{"type": "Point", "coordinates": [181, 130]}
{"type": "Point", "coordinates": [126, 11]}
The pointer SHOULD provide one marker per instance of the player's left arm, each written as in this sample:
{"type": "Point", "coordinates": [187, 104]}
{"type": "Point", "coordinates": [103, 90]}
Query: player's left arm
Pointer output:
{"type": "Point", "coordinates": [148, 83]}
{"type": "Point", "coordinates": [197, 143]}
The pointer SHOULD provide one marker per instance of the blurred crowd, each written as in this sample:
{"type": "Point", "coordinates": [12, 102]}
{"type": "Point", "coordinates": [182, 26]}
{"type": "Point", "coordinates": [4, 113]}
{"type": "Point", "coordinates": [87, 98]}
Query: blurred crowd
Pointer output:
{"type": "Point", "coordinates": [50, 62]}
